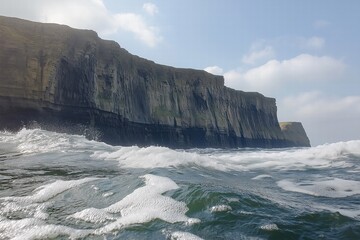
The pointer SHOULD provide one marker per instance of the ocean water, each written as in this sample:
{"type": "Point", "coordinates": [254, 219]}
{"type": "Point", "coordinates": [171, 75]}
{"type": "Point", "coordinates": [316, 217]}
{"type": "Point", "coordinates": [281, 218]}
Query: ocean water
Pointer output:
{"type": "Point", "coordinates": [60, 186]}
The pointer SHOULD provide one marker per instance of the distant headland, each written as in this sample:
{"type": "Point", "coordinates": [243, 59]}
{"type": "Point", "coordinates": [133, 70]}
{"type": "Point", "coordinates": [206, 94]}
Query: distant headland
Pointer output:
{"type": "Point", "coordinates": [70, 80]}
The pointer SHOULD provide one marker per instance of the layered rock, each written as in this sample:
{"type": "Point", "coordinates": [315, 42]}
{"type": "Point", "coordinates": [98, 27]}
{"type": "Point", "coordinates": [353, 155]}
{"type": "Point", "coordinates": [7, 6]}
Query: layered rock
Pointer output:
{"type": "Point", "coordinates": [295, 133]}
{"type": "Point", "coordinates": [74, 81]}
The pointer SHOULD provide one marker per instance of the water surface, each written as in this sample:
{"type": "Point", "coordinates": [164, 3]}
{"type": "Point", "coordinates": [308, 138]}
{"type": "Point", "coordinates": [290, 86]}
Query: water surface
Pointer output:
{"type": "Point", "coordinates": [60, 186]}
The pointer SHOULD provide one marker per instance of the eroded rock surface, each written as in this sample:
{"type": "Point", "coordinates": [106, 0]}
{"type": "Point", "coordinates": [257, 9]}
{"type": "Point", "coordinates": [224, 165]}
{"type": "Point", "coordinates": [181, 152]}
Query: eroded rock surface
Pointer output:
{"type": "Point", "coordinates": [71, 80]}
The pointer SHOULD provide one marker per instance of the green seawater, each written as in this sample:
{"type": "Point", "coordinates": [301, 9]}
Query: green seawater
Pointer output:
{"type": "Point", "coordinates": [60, 186]}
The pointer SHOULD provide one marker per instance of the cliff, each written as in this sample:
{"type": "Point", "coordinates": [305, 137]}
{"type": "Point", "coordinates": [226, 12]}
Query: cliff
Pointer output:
{"type": "Point", "coordinates": [295, 133]}
{"type": "Point", "coordinates": [71, 80]}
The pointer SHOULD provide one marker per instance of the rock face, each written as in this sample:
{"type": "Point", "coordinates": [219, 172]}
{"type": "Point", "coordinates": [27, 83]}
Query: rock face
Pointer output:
{"type": "Point", "coordinates": [71, 80]}
{"type": "Point", "coordinates": [295, 132]}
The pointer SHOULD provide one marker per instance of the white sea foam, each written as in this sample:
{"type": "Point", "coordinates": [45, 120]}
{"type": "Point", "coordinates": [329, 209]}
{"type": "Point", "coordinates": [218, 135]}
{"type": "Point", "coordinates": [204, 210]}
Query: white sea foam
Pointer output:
{"type": "Point", "coordinates": [324, 156]}
{"type": "Point", "coordinates": [192, 221]}
{"type": "Point", "coordinates": [232, 199]}
{"type": "Point", "coordinates": [220, 208]}
{"type": "Point", "coordinates": [47, 231]}
{"type": "Point", "coordinates": [39, 141]}
{"type": "Point", "coordinates": [155, 157]}
{"type": "Point", "coordinates": [333, 188]}
{"type": "Point", "coordinates": [148, 202]}
{"type": "Point", "coordinates": [48, 191]}
{"type": "Point", "coordinates": [183, 236]}
{"type": "Point", "coordinates": [93, 215]}
{"type": "Point", "coordinates": [142, 205]}
{"type": "Point", "coordinates": [269, 227]}
{"type": "Point", "coordinates": [32, 228]}
{"type": "Point", "coordinates": [246, 213]}
{"type": "Point", "coordinates": [29, 210]}
{"type": "Point", "coordinates": [351, 213]}
{"type": "Point", "coordinates": [33, 209]}
{"type": "Point", "coordinates": [10, 228]}
{"type": "Point", "coordinates": [107, 194]}
{"type": "Point", "coordinates": [36, 205]}
{"type": "Point", "coordinates": [262, 176]}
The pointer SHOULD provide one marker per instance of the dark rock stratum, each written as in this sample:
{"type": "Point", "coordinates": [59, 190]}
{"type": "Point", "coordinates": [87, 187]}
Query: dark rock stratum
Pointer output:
{"type": "Point", "coordinates": [70, 80]}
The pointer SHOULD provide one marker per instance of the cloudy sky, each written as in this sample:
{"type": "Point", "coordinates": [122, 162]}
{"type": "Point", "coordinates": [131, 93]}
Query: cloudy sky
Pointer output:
{"type": "Point", "coordinates": [303, 53]}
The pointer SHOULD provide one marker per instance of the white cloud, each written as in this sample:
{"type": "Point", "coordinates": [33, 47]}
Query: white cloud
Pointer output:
{"type": "Point", "coordinates": [314, 43]}
{"type": "Point", "coordinates": [134, 23]}
{"type": "Point", "coordinates": [84, 14]}
{"type": "Point", "coordinates": [257, 55]}
{"type": "Point", "coordinates": [316, 105]}
{"type": "Point", "coordinates": [327, 118]}
{"type": "Point", "coordinates": [216, 70]}
{"type": "Point", "coordinates": [79, 14]}
{"type": "Point", "coordinates": [150, 8]}
{"type": "Point", "coordinates": [274, 73]}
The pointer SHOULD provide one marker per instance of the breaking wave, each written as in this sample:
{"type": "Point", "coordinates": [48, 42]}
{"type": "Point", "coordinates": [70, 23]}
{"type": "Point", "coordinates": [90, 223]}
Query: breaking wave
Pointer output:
{"type": "Point", "coordinates": [324, 156]}
{"type": "Point", "coordinates": [56, 185]}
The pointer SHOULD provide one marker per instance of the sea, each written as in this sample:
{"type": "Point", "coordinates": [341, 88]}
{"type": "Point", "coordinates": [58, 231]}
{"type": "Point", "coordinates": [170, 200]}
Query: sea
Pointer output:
{"type": "Point", "coordinates": [61, 186]}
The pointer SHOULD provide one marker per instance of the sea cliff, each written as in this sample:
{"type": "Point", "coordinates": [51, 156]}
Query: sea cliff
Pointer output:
{"type": "Point", "coordinates": [71, 80]}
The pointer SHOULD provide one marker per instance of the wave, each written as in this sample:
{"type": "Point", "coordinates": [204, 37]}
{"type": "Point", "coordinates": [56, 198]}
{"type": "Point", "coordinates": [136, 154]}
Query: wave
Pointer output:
{"type": "Point", "coordinates": [32, 141]}
{"type": "Point", "coordinates": [325, 156]}
{"type": "Point", "coordinates": [143, 205]}
{"type": "Point", "coordinates": [29, 141]}
{"type": "Point", "coordinates": [182, 236]}
{"type": "Point", "coordinates": [332, 188]}
{"type": "Point", "coordinates": [220, 208]}
{"type": "Point", "coordinates": [46, 192]}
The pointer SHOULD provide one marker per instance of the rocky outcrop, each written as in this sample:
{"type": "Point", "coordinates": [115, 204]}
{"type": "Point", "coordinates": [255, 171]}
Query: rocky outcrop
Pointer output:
{"type": "Point", "coordinates": [295, 133]}
{"type": "Point", "coordinates": [72, 80]}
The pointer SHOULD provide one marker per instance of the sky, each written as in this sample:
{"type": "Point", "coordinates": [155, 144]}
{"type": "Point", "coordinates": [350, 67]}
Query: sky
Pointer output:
{"type": "Point", "coordinates": [303, 53]}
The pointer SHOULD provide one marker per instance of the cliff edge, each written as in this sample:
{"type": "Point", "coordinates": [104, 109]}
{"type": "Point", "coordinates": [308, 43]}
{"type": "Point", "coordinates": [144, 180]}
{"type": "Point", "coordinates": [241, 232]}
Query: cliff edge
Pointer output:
{"type": "Point", "coordinates": [71, 80]}
{"type": "Point", "coordinates": [295, 132]}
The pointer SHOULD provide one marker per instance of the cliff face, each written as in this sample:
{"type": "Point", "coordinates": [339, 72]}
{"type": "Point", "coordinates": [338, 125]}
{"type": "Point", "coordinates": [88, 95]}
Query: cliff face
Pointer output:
{"type": "Point", "coordinates": [295, 132]}
{"type": "Point", "coordinates": [66, 78]}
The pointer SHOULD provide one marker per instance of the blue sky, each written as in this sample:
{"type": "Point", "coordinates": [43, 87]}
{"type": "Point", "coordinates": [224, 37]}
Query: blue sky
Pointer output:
{"type": "Point", "coordinates": [303, 53]}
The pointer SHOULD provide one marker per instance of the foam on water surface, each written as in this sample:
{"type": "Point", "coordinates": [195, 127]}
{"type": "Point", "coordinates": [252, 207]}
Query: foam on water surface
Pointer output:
{"type": "Point", "coordinates": [107, 194]}
{"type": "Point", "coordinates": [33, 209]}
{"type": "Point", "coordinates": [143, 205]}
{"type": "Point", "coordinates": [93, 215]}
{"type": "Point", "coordinates": [323, 156]}
{"type": "Point", "coordinates": [262, 176]}
{"type": "Point", "coordinates": [269, 227]}
{"type": "Point", "coordinates": [156, 157]}
{"type": "Point", "coordinates": [179, 235]}
{"type": "Point", "coordinates": [243, 178]}
{"type": "Point", "coordinates": [9, 208]}
{"type": "Point", "coordinates": [220, 208]}
{"type": "Point", "coordinates": [48, 191]}
{"type": "Point", "coordinates": [332, 188]}
{"type": "Point", "coordinates": [351, 213]}
{"type": "Point", "coordinates": [29, 141]}
{"type": "Point", "coordinates": [10, 228]}
{"type": "Point", "coordinates": [32, 228]}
